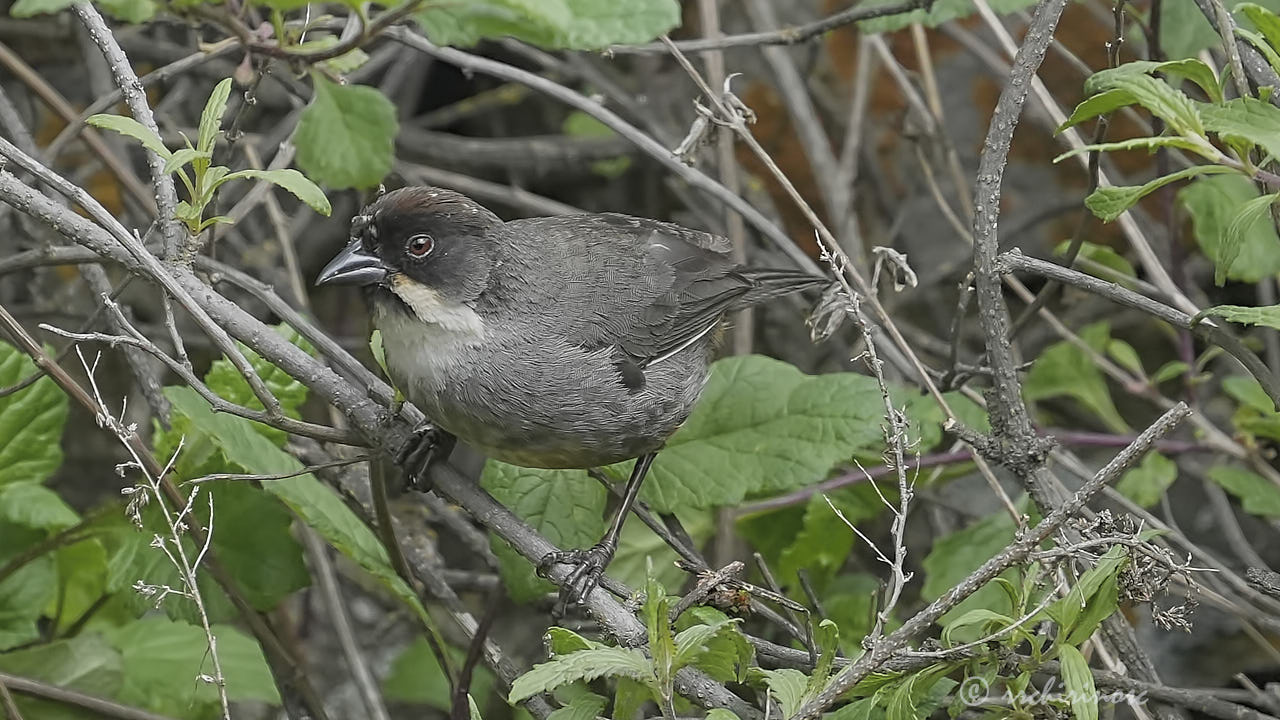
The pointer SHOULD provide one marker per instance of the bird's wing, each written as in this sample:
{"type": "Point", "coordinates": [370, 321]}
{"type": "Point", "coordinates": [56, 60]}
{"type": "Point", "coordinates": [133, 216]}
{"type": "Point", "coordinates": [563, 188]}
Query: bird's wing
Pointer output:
{"type": "Point", "coordinates": [647, 288]}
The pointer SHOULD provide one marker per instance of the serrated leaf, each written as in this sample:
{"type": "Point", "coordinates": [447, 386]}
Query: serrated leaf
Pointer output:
{"type": "Point", "coordinates": [346, 136]}
{"type": "Point", "coordinates": [129, 127]}
{"type": "Point", "coordinates": [1078, 681]}
{"type": "Point", "coordinates": [31, 422]}
{"type": "Point", "coordinates": [1164, 101]}
{"type": "Point", "coordinates": [762, 426]}
{"type": "Point", "coordinates": [1212, 203]}
{"type": "Point", "coordinates": [211, 118]}
{"type": "Point", "coordinates": [1243, 223]}
{"type": "Point", "coordinates": [1266, 316]}
{"type": "Point", "coordinates": [629, 698]}
{"type": "Point", "coordinates": [1150, 144]}
{"type": "Point", "coordinates": [554, 24]}
{"type": "Point", "coordinates": [1099, 104]}
{"type": "Point", "coordinates": [1065, 370]}
{"type": "Point", "coordinates": [662, 645]}
{"type": "Point", "coordinates": [1108, 203]}
{"type": "Point", "coordinates": [786, 685]}
{"type": "Point", "coordinates": [566, 506]}
{"type": "Point", "coordinates": [1146, 483]}
{"type": "Point", "coordinates": [824, 541]}
{"type": "Point", "coordinates": [1257, 495]}
{"type": "Point", "coordinates": [586, 706]}
{"type": "Point", "coordinates": [291, 180]}
{"type": "Point", "coordinates": [582, 665]}
{"type": "Point", "coordinates": [1245, 119]}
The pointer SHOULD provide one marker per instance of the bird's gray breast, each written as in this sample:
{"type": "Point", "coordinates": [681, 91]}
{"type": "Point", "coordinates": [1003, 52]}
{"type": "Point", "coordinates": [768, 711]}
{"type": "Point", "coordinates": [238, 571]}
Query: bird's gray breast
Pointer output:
{"type": "Point", "coordinates": [528, 397]}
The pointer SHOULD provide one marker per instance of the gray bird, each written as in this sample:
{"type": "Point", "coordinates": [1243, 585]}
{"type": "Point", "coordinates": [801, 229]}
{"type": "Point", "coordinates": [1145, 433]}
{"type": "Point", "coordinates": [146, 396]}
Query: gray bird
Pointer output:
{"type": "Point", "coordinates": [555, 342]}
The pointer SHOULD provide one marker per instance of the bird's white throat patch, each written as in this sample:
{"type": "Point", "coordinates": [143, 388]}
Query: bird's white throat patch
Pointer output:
{"type": "Point", "coordinates": [431, 308]}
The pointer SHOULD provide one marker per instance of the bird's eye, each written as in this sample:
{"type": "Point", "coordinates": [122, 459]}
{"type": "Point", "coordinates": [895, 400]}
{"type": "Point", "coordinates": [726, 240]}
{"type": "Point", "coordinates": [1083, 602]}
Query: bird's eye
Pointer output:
{"type": "Point", "coordinates": [420, 245]}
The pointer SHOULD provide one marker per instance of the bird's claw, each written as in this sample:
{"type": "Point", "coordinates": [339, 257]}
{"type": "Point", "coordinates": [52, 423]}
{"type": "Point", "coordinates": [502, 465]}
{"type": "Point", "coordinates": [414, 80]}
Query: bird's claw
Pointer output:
{"type": "Point", "coordinates": [429, 446]}
{"type": "Point", "coordinates": [588, 566]}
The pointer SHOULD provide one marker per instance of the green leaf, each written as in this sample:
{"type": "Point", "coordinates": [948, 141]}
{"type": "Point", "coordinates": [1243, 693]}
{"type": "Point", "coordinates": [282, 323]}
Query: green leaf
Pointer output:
{"type": "Point", "coordinates": [28, 591]}
{"type": "Point", "coordinates": [566, 506]}
{"type": "Point", "coordinates": [1179, 112]}
{"type": "Point", "coordinates": [291, 180]}
{"type": "Point", "coordinates": [1257, 495]}
{"type": "Point", "coordinates": [1243, 224]}
{"type": "Point", "coordinates": [656, 612]}
{"type": "Point", "coordinates": [639, 547]}
{"type": "Point", "coordinates": [1125, 356]}
{"type": "Point", "coordinates": [85, 663]}
{"type": "Point", "coordinates": [211, 118]}
{"type": "Point", "coordinates": [1150, 144]}
{"type": "Point", "coordinates": [183, 157]}
{"type": "Point", "coordinates": [163, 659]}
{"type": "Point", "coordinates": [954, 556]}
{"type": "Point", "coordinates": [721, 714]}
{"type": "Point", "coordinates": [415, 677]}
{"type": "Point", "coordinates": [1078, 681]}
{"type": "Point", "coordinates": [130, 11]}
{"type": "Point", "coordinates": [630, 698]}
{"type": "Point", "coordinates": [31, 422]}
{"type": "Point", "coordinates": [1108, 203]}
{"type": "Point", "coordinates": [1091, 600]}
{"type": "Point", "coordinates": [582, 665]}
{"type": "Point", "coordinates": [1257, 414]}
{"type": "Point", "coordinates": [227, 382]}
{"type": "Point", "coordinates": [1102, 256]}
{"type": "Point", "coordinates": [1267, 316]}
{"type": "Point", "coordinates": [1263, 19]}
{"type": "Point", "coordinates": [554, 24]}
{"type": "Point", "coordinates": [35, 506]}
{"type": "Point", "coordinates": [312, 501]}
{"type": "Point", "coordinates": [131, 128]}
{"type": "Point", "coordinates": [1145, 484]}
{"type": "Point", "coordinates": [1212, 203]}
{"type": "Point", "coordinates": [1065, 370]}
{"type": "Point", "coordinates": [82, 577]}
{"type": "Point", "coordinates": [30, 8]}
{"type": "Point", "coordinates": [1184, 31]}
{"type": "Point", "coordinates": [715, 645]}
{"type": "Point", "coordinates": [580, 124]}
{"type": "Point", "coordinates": [1245, 119]}
{"type": "Point", "coordinates": [760, 427]}
{"type": "Point", "coordinates": [1264, 47]}
{"type": "Point", "coordinates": [1099, 104]}
{"type": "Point", "coordinates": [586, 706]}
{"type": "Point", "coordinates": [346, 136]}
{"type": "Point", "coordinates": [787, 686]}
{"type": "Point", "coordinates": [1169, 371]}
{"type": "Point", "coordinates": [942, 11]}
{"type": "Point", "coordinates": [823, 544]}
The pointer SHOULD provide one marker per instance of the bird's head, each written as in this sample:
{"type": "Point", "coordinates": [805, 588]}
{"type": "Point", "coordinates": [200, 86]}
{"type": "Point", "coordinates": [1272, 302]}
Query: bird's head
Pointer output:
{"type": "Point", "coordinates": [420, 242]}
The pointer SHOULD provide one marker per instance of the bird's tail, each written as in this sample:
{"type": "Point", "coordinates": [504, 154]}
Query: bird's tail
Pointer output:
{"type": "Point", "coordinates": [770, 283]}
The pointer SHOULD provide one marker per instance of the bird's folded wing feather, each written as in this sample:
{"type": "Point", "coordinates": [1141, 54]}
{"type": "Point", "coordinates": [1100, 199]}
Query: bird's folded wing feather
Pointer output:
{"type": "Point", "coordinates": [646, 287]}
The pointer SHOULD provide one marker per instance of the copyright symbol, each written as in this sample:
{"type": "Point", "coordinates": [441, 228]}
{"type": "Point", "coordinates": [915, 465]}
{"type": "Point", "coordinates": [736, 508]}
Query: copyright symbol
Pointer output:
{"type": "Point", "coordinates": [973, 690]}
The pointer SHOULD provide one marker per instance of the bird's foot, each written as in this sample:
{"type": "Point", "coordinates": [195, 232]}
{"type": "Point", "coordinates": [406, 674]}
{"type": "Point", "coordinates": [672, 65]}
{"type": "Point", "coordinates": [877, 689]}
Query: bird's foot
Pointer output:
{"type": "Point", "coordinates": [588, 566]}
{"type": "Point", "coordinates": [429, 446]}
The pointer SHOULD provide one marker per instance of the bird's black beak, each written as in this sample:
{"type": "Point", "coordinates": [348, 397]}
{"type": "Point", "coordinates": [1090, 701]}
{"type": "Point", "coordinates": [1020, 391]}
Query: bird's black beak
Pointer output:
{"type": "Point", "coordinates": [353, 266]}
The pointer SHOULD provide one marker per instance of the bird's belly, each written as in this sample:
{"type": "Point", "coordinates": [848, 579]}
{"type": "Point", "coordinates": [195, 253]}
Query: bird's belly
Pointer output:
{"type": "Point", "coordinates": [542, 403]}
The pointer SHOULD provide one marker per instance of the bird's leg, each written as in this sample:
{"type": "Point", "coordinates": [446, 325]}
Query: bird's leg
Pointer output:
{"type": "Point", "coordinates": [590, 564]}
{"type": "Point", "coordinates": [430, 445]}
